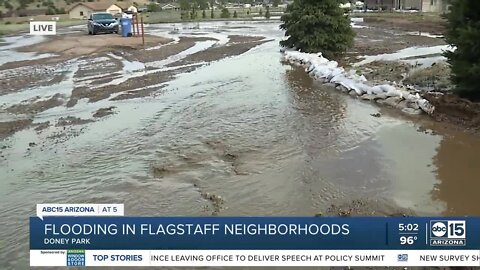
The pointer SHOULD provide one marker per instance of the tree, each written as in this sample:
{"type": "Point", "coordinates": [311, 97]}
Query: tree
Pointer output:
{"type": "Point", "coordinates": [317, 26]}
{"type": "Point", "coordinates": [267, 13]}
{"type": "Point", "coordinates": [225, 13]}
{"type": "Point", "coordinates": [260, 12]}
{"type": "Point", "coordinates": [184, 4]}
{"type": "Point", "coordinates": [212, 14]}
{"type": "Point", "coordinates": [463, 33]}
{"type": "Point", "coordinates": [153, 7]}
{"type": "Point", "coordinates": [50, 11]}
{"type": "Point", "coordinates": [204, 14]}
{"type": "Point", "coordinates": [235, 15]}
{"type": "Point", "coordinates": [276, 3]}
{"type": "Point", "coordinates": [7, 5]}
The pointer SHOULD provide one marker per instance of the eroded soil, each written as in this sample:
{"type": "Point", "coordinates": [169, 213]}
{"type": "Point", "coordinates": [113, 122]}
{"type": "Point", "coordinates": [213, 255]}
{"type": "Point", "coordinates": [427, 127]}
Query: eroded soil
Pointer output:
{"type": "Point", "coordinates": [102, 67]}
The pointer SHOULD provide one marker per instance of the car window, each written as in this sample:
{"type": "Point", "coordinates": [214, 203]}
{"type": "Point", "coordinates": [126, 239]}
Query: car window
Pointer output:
{"type": "Point", "coordinates": [103, 16]}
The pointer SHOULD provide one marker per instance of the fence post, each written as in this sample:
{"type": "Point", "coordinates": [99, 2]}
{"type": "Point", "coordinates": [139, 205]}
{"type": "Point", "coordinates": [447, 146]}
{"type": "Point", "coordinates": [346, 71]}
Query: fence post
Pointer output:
{"type": "Point", "coordinates": [143, 32]}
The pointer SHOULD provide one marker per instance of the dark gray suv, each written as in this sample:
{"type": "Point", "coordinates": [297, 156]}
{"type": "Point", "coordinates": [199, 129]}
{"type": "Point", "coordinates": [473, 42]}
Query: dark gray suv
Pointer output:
{"type": "Point", "coordinates": [102, 22]}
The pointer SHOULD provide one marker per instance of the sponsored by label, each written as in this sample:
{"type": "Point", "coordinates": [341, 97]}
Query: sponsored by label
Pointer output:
{"type": "Point", "coordinates": [76, 257]}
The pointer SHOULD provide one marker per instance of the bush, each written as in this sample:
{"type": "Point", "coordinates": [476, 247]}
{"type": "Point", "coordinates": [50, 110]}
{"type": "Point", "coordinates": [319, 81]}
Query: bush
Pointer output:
{"type": "Point", "coordinates": [50, 11]}
{"type": "Point", "coordinates": [317, 26]}
{"type": "Point", "coordinates": [225, 13]}
{"type": "Point", "coordinates": [463, 32]}
{"type": "Point", "coordinates": [153, 7]}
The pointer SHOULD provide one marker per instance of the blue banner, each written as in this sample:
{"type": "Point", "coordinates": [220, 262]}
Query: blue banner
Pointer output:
{"type": "Point", "coordinates": [253, 233]}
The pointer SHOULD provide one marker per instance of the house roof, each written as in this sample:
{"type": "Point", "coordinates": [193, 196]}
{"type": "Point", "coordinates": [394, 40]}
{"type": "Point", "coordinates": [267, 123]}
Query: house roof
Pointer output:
{"type": "Point", "coordinates": [172, 5]}
{"type": "Point", "coordinates": [123, 5]}
{"type": "Point", "coordinates": [96, 6]}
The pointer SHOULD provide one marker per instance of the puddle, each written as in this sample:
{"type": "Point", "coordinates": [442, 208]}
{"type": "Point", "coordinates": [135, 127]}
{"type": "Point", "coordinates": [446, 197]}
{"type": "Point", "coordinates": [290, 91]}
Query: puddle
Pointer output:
{"type": "Point", "coordinates": [15, 42]}
{"type": "Point", "coordinates": [426, 61]}
{"type": "Point", "coordinates": [424, 34]}
{"type": "Point", "coordinates": [199, 46]}
{"type": "Point", "coordinates": [405, 53]}
{"type": "Point", "coordinates": [8, 56]}
{"type": "Point", "coordinates": [64, 87]}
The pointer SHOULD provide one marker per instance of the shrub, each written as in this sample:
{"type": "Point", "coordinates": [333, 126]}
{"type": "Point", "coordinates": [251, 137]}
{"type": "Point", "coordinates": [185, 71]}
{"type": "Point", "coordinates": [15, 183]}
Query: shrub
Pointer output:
{"type": "Point", "coordinates": [225, 13]}
{"type": "Point", "coordinates": [317, 26]}
{"type": "Point", "coordinates": [463, 33]}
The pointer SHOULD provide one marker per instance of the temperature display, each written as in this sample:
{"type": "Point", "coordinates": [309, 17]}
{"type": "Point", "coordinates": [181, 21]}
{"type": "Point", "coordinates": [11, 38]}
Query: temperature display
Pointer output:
{"type": "Point", "coordinates": [408, 233]}
{"type": "Point", "coordinates": [408, 240]}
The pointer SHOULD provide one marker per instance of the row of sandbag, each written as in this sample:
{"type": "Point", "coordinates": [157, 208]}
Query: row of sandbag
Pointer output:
{"type": "Point", "coordinates": [329, 72]}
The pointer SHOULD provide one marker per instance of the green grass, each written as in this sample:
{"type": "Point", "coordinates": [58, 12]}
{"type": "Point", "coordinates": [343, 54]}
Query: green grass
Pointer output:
{"type": "Point", "coordinates": [172, 16]}
{"type": "Point", "coordinates": [416, 16]}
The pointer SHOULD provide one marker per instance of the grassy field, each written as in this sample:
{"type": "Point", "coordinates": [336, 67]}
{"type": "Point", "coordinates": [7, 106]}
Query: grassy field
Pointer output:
{"type": "Point", "coordinates": [173, 16]}
{"type": "Point", "coordinates": [414, 16]}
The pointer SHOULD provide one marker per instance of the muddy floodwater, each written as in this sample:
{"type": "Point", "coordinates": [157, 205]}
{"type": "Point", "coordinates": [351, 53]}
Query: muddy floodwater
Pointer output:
{"type": "Point", "coordinates": [231, 135]}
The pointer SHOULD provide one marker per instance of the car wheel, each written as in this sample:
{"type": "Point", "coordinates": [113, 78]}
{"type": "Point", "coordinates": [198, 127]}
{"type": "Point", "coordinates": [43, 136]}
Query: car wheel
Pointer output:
{"type": "Point", "coordinates": [93, 32]}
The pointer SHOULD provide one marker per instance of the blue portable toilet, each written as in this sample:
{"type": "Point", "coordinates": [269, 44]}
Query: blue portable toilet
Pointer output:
{"type": "Point", "coordinates": [126, 27]}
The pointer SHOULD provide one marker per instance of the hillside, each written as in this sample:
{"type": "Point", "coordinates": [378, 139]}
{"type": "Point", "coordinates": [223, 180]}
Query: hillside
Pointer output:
{"type": "Point", "coordinates": [56, 6]}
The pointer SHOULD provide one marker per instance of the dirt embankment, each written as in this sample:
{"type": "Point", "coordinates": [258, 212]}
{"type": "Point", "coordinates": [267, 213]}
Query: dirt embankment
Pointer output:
{"type": "Point", "coordinates": [451, 108]}
{"type": "Point", "coordinates": [81, 44]}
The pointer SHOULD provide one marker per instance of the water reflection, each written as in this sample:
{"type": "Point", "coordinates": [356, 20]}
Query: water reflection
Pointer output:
{"type": "Point", "coordinates": [458, 171]}
{"type": "Point", "coordinates": [319, 112]}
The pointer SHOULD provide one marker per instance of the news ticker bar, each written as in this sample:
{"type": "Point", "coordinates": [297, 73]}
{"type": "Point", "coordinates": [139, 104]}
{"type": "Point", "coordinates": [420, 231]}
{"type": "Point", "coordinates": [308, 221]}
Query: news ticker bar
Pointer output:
{"type": "Point", "coordinates": [225, 258]}
{"type": "Point", "coordinates": [254, 233]}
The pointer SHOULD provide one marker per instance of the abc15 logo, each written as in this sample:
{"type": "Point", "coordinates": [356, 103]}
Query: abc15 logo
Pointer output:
{"type": "Point", "coordinates": [451, 229]}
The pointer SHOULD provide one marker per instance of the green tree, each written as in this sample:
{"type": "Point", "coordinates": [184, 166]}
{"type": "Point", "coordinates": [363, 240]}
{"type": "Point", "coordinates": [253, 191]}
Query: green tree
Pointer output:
{"type": "Point", "coordinates": [276, 3]}
{"type": "Point", "coordinates": [204, 14]}
{"type": "Point", "coordinates": [50, 11]}
{"type": "Point", "coordinates": [463, 33]}
{"type": "Point", "coordinates": [260, 12]}
{"type": "Point", "coordinates": [225, 13]}
{"type": "Point", "coordinates": [212, 14]}
{"type": "Point", "coordinates": [153, 7]}
{"type": "Point", "coordinates": [235, 15]}
{"type": "Point", "coordinates": [317, 26]}
{"type": "Point", "coordinates": [184, 4]}
{"type": "Point", "coordinates": [267, 13]}
{"type": "Point", "coordinates": [8, 5]}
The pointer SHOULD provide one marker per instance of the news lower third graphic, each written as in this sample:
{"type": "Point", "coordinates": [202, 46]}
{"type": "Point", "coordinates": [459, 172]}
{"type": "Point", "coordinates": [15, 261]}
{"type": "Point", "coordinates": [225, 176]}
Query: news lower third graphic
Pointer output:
{"type": "Point", "coordinates": [100, 235]}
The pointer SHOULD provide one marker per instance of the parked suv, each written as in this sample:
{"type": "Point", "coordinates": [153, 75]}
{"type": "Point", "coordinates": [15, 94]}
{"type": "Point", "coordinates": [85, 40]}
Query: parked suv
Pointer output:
{"type": "Point", "coordinates": [102, 22]}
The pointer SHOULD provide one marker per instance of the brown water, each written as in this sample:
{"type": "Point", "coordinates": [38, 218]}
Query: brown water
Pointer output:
{"type": "Point", "coordinates": [258, 133]}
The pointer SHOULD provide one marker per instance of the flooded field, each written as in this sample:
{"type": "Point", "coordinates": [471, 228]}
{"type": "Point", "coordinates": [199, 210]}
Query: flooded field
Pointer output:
{"type": "Point", "coordinates": [209, 121]}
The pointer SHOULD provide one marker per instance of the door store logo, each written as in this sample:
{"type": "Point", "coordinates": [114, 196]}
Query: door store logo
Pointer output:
{"type": "Point", "coordinates": [43, 28]}
{"type": "Point", "coordinates": [448, 232]}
